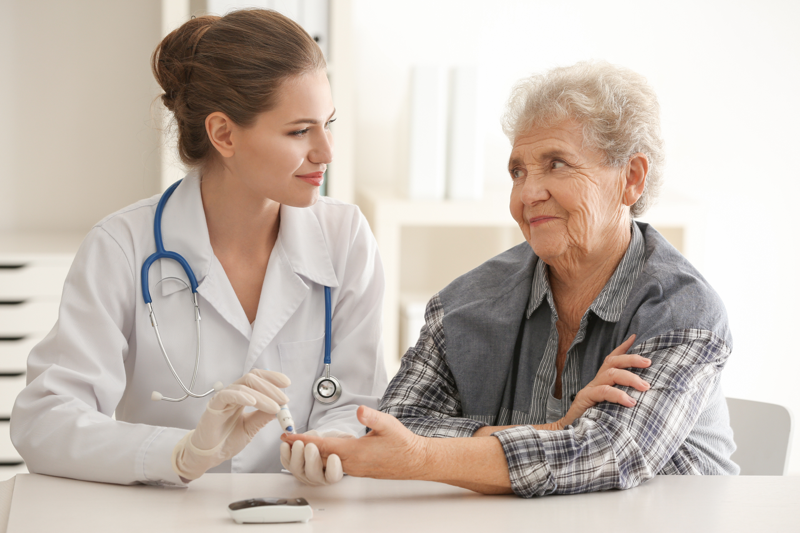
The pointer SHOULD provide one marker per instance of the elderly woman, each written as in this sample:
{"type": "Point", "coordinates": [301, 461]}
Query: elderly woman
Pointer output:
{"type": "Point", "coordinates": [511, 362]}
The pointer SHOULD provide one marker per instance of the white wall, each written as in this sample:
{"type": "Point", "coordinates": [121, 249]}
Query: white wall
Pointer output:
{"type": "Point", "coordinates": [728, 80]}
{"type": "Point", "coordinates": [77, 139]}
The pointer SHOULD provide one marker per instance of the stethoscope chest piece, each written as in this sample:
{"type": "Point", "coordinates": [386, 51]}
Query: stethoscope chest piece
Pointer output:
{"type": "Point", "coordinates": [327, 388]}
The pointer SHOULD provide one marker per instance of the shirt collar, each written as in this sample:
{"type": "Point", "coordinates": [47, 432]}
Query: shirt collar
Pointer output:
{"type": "Point", "coordinates": [541, 287]}
{"type": "Point", "coordinates": [609, 303]}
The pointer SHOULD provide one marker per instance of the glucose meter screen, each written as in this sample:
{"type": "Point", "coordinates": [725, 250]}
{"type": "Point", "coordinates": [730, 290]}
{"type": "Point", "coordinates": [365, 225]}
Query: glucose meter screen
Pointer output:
{"type": "Point", "coordinates": [256, 502]}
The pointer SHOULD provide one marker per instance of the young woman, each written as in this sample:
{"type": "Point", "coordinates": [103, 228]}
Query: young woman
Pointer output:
{"type": "Point", "coordinates": [253, 110]}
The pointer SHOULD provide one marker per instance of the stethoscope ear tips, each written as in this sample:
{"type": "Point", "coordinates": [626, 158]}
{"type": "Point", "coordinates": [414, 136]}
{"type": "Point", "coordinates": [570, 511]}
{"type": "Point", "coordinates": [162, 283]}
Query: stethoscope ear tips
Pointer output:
{"type": "Point", "coordinates": [156, 396]}
{"type": "Point", "coordinates": [218, 386]}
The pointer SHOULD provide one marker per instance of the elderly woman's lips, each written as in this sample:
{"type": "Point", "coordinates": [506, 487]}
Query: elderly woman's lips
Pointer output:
{"type": "Point", "coordinates": [538, 221]}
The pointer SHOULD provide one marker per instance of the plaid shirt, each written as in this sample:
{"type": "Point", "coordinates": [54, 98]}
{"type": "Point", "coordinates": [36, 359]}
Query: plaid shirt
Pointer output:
{"type": "Point", "coordinates": [610, 446]}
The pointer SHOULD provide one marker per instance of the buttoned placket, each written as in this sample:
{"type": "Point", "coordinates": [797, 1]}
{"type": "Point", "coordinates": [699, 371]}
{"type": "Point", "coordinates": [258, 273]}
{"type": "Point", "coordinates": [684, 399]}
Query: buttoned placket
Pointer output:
{"type": "Point", "coordinates": [607, 306]}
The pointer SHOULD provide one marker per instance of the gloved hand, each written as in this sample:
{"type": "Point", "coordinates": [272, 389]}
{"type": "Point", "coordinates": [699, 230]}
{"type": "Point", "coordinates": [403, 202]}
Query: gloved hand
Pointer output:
{"type": "Point", "coordinates": [305, 463]}
{"type": "Point", "coordinates": [224, 429]}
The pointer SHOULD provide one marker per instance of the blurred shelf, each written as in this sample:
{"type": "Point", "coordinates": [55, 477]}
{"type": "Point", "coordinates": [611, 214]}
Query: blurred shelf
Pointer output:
{"type": "Point", "coordinates": [388, 214]}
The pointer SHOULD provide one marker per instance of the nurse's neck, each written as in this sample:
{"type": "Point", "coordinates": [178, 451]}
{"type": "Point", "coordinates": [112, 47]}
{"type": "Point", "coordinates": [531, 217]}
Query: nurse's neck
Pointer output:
{"type": "Point", "coordinates": [243, 228]}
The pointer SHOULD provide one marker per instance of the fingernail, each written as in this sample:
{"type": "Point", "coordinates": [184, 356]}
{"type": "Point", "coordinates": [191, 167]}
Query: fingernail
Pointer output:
{"type": "Point", "coordinates": [646, 385]}
{"type": "Point", "coordinates": [648, 361]}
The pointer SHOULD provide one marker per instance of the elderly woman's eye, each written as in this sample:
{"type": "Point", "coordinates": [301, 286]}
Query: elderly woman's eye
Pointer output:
{"type": "Point", "coordinates": [557, 164]}
{"type": "Point", "coordinates": [517, 173]}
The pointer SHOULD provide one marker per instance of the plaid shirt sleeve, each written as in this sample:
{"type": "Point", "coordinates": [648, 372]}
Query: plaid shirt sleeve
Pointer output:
{"type": "Point", "coordinates": [423, 394]}
{"type": "Point", "coordinates": [612, 446]}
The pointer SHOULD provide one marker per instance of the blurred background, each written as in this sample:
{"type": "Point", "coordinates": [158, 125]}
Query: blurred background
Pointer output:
{"type": "Point", "coordinates": [84, 135]}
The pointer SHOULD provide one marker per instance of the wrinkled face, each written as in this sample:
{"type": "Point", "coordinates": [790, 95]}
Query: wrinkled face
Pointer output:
{"type": "Point", "coordinates": [564, 198]}
{"type": "Point", "coordinates": [283, 155]}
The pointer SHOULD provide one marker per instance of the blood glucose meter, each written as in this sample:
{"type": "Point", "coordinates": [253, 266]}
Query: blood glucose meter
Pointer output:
{"type": "Point", "coordinates": [270, 510]}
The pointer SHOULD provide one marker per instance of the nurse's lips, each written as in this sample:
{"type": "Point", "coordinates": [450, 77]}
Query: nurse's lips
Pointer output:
{"type": "Point", "coordinates": [314, 178]}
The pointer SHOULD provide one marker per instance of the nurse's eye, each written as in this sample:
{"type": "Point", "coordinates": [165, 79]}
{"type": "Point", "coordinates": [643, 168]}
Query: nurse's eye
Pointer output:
{"type": "Point", "coordinates": [556, 164]}
{"type": "Point", "coordinates": [331, 121]}
{"type": "Point", "coordinates": [299, 133]}
{"type": "Point", "coordinates": [518, 173]}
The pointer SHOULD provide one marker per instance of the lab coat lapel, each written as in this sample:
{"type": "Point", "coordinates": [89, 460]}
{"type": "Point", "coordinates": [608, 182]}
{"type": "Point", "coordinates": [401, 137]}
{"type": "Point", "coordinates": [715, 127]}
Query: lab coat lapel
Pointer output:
{"type": "Point", "coordinates": [300, 257]}
{"type": "Point", "coordinates": [281, 294]}
{"type": "Point", "coordinates": [185, 231]}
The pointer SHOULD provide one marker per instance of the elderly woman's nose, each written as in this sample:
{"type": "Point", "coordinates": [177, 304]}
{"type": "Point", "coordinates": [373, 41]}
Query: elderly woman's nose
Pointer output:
{"type": "Point", "coordinates": [534, 190]}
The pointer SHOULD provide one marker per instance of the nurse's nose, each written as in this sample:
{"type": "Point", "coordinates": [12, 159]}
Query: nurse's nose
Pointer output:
{"type": "Point", "coordinates": [322, 148]}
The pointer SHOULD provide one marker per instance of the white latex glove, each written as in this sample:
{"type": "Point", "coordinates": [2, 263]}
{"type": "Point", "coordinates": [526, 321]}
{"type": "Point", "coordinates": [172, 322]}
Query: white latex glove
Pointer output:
{"type": "Point", "coordinates": [305, 463]}
{"type": "Point", "coordinates": [224, 429]}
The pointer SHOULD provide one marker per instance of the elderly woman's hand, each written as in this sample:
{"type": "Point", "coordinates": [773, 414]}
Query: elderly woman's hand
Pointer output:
{"type": "Point", "coordinates": [389, 451]}
{"type": "Point", "coordinates": [602, 387]}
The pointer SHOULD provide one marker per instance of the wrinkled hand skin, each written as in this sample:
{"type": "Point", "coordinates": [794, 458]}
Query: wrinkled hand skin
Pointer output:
{"type": "Point", "coordinates": [389, 451]}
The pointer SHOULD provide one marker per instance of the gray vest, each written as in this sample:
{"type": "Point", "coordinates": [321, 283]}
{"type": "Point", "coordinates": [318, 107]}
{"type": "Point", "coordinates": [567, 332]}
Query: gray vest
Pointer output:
{"type": "Point", "coordinates": [494, 352]}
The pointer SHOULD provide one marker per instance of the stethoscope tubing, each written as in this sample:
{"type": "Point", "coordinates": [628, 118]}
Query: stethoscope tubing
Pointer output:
{"type": "Point", "coordinates": [328, 320]}
{"type": "Point", "coordinates": [161, 253]}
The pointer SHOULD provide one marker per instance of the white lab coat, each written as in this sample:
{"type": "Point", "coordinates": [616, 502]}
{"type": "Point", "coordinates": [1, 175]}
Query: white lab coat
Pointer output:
{"type": "Point", "coordinates": [102, 358]}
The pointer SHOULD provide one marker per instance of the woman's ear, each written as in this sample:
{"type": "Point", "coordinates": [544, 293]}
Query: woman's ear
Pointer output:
{"type": "Point", "coordinates": [219, 128]}
{"type": "Point", "coordinates": [635, 178]}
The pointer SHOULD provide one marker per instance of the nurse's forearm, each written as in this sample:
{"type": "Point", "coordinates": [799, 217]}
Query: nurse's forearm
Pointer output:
{"type": "Point", "coordinates": [477, 464]}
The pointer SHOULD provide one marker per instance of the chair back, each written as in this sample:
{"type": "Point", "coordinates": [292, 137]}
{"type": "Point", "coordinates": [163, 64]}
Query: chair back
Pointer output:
{"type": "Point", "coordinates": [763, 435]}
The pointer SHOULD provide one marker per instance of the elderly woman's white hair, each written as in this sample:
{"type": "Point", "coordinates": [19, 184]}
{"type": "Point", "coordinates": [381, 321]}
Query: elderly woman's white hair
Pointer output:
{"type": "Point", "coordinates": [618, 110]}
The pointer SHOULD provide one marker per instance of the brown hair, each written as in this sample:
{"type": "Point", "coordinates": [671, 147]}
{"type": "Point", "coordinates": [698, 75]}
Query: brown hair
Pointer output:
{"type": "Point", "coordinates": [233, 64]}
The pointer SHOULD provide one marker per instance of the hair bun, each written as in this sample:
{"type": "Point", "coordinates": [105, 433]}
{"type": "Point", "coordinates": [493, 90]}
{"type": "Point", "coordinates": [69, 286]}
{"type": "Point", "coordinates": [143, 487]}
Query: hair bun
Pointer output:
{"type": "Point", "coordinates": [173, 58]}
{"type": "Point", "coordinates": [234, 65]}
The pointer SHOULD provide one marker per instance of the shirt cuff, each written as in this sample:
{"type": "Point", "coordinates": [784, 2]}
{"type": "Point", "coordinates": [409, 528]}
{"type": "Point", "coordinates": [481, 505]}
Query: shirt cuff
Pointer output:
{"type": "Point", "coordinates": [527, 461]}
{"type": "Point", "coordinates": [442, 428]}
{"type": "Point", "coordinates": [155, 458]}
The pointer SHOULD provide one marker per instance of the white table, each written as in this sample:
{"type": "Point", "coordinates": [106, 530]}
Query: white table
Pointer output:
{"type": "Point", "coordinates": [669, 504]}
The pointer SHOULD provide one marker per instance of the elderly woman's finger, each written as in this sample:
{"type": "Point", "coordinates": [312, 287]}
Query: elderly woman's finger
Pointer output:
{"type": "Point", "coordinates": [326, 446]}
{"type": "Point", "coordinates": [626, 360]}
{"type": "Point", "coordinates": [591, 396]}
{"type": "Point", "coordinates": [607, 393]}
{"type": "Point", "coordinates": [618, 376]}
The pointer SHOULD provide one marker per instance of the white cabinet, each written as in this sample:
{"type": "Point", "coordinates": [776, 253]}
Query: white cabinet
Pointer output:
{"type": "Point", "coordinates": [33, 267]}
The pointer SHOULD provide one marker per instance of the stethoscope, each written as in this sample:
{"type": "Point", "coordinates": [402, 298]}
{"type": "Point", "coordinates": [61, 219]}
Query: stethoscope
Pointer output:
{"type": "Point", "coordinates": [326, 388]}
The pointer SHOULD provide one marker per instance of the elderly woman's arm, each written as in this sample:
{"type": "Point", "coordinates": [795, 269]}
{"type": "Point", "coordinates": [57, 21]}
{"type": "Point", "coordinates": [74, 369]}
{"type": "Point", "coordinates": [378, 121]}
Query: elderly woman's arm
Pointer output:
{"type": "Point", "coordinates": [609, 447]}
{"type": "Point", "coordinates": [613, 447]}
{"type": "Point", "coordinates": [424, 397]}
